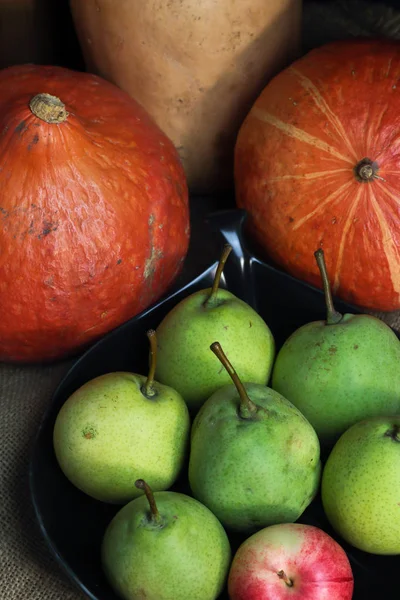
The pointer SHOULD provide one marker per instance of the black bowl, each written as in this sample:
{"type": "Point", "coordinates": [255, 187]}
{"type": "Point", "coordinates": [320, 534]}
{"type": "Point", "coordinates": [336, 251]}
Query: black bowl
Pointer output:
{"type": "Point", "coordinates": [72, 523]}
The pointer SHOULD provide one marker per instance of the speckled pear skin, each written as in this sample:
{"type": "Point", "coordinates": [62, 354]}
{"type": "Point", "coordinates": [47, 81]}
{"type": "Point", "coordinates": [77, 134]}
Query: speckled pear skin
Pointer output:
{"type": "Point", "coordinates": [340, 374]}
{"type": "Point", "coordinates": [361, 486]}
{"type": "Point", "coordinates": [253, 472]}
{"type": "Point", "coordinates": [184, 359]}
{"type": "Point", "coordinates": [186, 558]}
{"type": "Point", "coordinates": [108, 434]}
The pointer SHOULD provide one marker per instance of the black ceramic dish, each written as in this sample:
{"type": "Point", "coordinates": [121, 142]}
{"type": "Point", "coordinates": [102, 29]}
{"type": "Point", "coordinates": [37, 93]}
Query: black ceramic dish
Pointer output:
{"type": "Point", "coordinates": [72, 523]}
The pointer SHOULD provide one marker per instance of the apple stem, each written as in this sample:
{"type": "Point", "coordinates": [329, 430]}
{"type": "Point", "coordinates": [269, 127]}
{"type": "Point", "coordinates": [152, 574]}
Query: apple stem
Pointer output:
{"type": "Point", "coordinates": [332, 316]}
{"type": "Point", "coordinates": [282, 575]}
{"type": "Point", "coordinates": [148, 388]}
{"type": "Point", "coordinates": [210, 301]}
{"type": "Point", "coordinates": [247, 407]}
{"type": "Point", "coordinates": [142, 485]}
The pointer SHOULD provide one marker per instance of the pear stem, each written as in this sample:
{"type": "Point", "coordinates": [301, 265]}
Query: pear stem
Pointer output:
{"type": "Point", "coordinates": [142, 485]}
{"type": "Point", "coordinates": [394, 433]}
{"type": "Point", "coordinates": [148, 388]}
{"type": "Point", "coordinates": [247, 407]}
{"type": "Point", "coordinates": [282, 575]}
{"type": "Point", "coordinates": [332, 315]}
{"type": "Point", "coordinates": [217, 278]}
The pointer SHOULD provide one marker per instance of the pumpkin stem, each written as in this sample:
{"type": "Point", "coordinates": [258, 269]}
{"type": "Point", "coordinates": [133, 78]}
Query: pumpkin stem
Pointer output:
{"type": "Point", "coordinates": [48, 108]}
{"type": "Point", "coordinates": [366, 170]}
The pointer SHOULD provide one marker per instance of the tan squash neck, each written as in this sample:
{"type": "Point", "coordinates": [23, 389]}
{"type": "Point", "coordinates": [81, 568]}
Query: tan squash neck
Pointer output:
{"type": "Point", "coordinates": [48, 108]}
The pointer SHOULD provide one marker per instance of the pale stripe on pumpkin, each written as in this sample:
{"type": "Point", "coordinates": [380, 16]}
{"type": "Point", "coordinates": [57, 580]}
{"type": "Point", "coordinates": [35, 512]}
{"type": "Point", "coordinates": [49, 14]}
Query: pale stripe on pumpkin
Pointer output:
{"type": "Point", "coordinates": [389, 66]}
{"type": "Point", "coordinates": [315, 175]}
{"type": "Point", "coordinates": [346, 228]}
{"type": "Point", "coordinates": [299, 134]}
{"type": "Point", "coordinates": [322, 205]}
{"type": "Point", "coordinates": [323, 106]}
{"type": "Point", "coordinates": [385, 190]}
{"type": "Point", "coordinates": [388, 243]}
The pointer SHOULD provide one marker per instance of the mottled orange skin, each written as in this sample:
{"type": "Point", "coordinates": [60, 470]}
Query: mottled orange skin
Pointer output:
{"type": "Point", "coordinates": [93, 211]}
{"type": "Point", "coordinates": [341, 104]}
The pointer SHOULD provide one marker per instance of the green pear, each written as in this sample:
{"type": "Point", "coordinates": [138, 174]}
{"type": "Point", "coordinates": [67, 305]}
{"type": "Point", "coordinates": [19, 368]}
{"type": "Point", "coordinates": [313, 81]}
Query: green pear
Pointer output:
{"type": "Point", "coordinates": [177, 550]}
{"type": "Point", "coordinates": [120, 425]}
{"type": "Point", "coordinates": [185, 334]}
{"type": "Point", "coordinates": [254, 458]}
{"type": "Point", "coordinates": [360, 485]}
{"type": "Point", "coordinates": [341, 370]}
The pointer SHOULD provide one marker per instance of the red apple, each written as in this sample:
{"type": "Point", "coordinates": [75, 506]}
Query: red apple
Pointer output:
{"type": "Point", "coordinates": [290, 561]}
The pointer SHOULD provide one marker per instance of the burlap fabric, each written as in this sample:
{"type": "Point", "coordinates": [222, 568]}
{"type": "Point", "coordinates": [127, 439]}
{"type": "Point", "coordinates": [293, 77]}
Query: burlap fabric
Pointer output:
{"type": "Point", "coordinates": [27, 569]}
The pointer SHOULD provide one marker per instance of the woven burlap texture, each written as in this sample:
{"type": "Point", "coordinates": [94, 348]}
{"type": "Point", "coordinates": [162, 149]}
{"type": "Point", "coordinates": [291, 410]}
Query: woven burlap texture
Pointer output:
{"type": "Point", "coordinates": [28, 571]}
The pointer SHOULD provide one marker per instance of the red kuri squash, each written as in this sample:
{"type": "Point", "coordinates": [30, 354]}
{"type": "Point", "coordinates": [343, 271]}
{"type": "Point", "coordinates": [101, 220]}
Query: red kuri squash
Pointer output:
{"type": "Point", "coordinates": [93, 209]}
{"type": "Point", "coordinates": [317, 163]}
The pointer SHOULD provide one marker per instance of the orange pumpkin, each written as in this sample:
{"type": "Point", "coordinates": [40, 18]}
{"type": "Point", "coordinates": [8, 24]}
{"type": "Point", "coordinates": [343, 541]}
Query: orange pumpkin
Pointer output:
{"type": "Point", "coordinates": [317, 163]}
{"type": "Point", "coordinates": [93, 209]}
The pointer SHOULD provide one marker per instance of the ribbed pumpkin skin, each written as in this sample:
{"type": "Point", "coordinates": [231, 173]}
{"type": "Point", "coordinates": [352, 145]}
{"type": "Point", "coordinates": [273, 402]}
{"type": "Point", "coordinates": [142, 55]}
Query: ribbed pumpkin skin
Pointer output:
{"type": "Point", "coordinates": [295, 160]}
{"type": "Point", "coordinates": [93, 211]}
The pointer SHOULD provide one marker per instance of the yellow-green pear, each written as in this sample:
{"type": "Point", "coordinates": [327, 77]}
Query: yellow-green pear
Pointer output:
{"type": "Point", "coordinates": [165, 546]}
{"type": "Point", "coordinates": [340, 370]}
{"type": "Point", "coordinates": [119, 426]}
{"type": "Point", "coordinates": [254, 458]}
{"type": "Point", "coordinates": [185, 334]}
{"type": "Point", "coordinates": [361, 485]}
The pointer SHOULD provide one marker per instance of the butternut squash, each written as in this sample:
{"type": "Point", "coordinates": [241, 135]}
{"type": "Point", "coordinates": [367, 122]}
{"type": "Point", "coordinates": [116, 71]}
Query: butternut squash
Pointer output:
{"type": "Point", "coordinates": [195, 65]}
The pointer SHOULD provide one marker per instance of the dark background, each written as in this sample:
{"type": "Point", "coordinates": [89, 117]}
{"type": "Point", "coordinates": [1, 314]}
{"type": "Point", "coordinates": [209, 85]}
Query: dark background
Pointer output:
{"type": "Point", "coordinates": [46, 33]}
